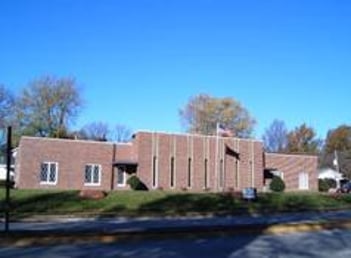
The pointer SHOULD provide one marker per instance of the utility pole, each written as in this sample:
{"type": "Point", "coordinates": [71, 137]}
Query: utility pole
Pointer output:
{"type": "Point", "coordinates": [8, 165]}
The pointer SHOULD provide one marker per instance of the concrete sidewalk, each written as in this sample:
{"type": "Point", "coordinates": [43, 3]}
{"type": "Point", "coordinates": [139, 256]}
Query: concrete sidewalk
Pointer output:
{"type": "Point", "coordinates": [112, 229]}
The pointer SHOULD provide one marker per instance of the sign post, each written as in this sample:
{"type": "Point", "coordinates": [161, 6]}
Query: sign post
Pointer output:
{"type": "Point", "coordinates": [249, 193]}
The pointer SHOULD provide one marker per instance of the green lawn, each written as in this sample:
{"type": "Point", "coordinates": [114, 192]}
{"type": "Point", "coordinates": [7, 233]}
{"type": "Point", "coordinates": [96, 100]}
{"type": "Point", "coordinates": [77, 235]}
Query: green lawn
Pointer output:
{"type": "Point", "coordinates": [25, 203]}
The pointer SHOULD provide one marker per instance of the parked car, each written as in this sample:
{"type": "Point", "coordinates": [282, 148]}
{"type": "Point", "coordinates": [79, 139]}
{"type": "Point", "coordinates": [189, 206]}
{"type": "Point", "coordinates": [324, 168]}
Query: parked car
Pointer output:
{"type": "Point", "coordinates": [345, 188]}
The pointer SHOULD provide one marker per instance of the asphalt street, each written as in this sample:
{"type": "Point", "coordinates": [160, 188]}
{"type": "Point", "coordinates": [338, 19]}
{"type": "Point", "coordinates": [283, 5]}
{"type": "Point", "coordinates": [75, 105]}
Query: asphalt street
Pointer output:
{"type": "Point", "coordinates": [333, 243]}
{"type": "Point", "coordinates": [120, 224]}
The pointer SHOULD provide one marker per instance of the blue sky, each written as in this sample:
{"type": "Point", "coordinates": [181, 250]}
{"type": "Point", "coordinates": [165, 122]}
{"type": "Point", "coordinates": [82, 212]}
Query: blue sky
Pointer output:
{"type": "Point", "coordinates": [138, 62]}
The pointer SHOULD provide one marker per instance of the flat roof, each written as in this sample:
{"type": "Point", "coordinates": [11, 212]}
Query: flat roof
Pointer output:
{"type": "Point", "coordinates": [196, 135]}
{"type": "Point", "coordinates": [125, 162]}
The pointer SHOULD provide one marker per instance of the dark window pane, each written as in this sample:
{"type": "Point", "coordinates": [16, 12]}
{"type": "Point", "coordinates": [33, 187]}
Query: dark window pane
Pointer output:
{"type": "Point", "coordinates": [96, 174]}
{"type": "Point", "coordinates": [44, 172]}
{"type": "Point", "coordinates": [87, 176]}
{"type": "Point", "coordinates": [52, 177]}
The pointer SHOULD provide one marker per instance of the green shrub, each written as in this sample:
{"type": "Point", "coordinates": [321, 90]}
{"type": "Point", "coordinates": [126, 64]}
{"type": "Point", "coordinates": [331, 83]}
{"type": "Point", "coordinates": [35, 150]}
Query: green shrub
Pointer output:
{"type": "Point", "coordinates": [277, 184]}
{"type": "Point", "coordinates": [325, 184]}
{"type": "Point", "coordinates": [136, 184]}
{"type": "Point", "coordinates": [330, 182]}
{"type": "Point", "coordinates": [322, 185]}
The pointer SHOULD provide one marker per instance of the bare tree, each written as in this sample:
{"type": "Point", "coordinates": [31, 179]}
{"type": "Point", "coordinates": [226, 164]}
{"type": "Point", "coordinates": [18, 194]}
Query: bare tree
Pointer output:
{"type": "Point", "coordinates": [48, 106]}
{"type": "Point", "coordinates": [275, 138]}
{"type": "Point", "coordinates": [122, 133]}
{"type": "Point", "coordinates": [7, 106]}
{"type": "Point", "coordinates": [202, 113]}
{"type": "Point", "coordinates": [96, 131]}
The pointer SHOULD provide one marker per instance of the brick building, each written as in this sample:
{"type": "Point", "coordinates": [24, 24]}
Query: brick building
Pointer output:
{"type": "Point", "coordinates": [162, 161]}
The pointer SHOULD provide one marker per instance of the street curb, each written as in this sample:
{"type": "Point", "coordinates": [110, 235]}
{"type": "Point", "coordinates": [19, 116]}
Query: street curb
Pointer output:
{"type": "Point", "coordinates": [52, 237]}
{"type": "Point", "coordinates": [97, 216]}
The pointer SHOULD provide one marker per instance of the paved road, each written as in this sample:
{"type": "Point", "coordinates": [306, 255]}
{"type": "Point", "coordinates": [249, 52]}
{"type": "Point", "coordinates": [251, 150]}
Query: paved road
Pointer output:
{"type": "Point", "coordinates": [141, 224]}
{"type": "Point", "coordinates": [334, 243]}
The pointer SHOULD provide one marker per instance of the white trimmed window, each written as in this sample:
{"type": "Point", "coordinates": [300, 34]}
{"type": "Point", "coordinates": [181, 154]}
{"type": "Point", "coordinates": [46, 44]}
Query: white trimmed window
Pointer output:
{"type": "Point", "coordinates": [48, 173]}
{"type": "Point", "coordinates": [121, 176]}
{"type": "Point", "coordinates": [303, 181]}
{"type": "Point", "coordinates": [92, 174]}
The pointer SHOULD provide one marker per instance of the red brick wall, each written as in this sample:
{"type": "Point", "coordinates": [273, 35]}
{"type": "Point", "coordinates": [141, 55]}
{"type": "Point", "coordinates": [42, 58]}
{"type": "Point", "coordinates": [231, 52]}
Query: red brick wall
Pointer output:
{"type": "Point", "coordinates": [197, 153]}
{"type": "Point", "coordinates": [198, 148]}
{"type": "Point", "coordinates": [292, 166]}
{"type": "Point", "coordinates": [126, 152]}
{"type": "Point", "coordinates": [125, 155]}
{"type": "Point", "coordinates": [144, 153]}
{"type": "Point", "coordinates": [71, 156]}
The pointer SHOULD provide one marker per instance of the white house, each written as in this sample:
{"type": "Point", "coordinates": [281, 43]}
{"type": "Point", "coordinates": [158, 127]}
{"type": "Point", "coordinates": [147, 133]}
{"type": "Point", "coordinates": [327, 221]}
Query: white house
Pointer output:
{"type": "Point", "coordinates": [329, 173]}
{"type": "Point", "coordinates": [3, 168]}
{"type": "Point", "coordinates": [3, 171]}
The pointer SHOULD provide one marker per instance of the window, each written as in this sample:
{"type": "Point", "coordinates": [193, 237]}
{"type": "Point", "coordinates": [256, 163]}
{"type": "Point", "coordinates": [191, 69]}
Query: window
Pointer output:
{"type": "Point", "coordinates": [205, 175]}
{"type": "Point", "coordinates": [237, 174]}
{"type": "Point", "coordinates": [154, 172]}
{"type": "Point", "coordinates": [172, 172]}
{"type": "Point", "coordinates": [252, 174]}
{"type": "Point", "coordinates": [189, 172]}
{"type": "Point", "coordinates": [221, 173]}
{"type": "Point", "coordinates": [121, 176]}
{"type": "Point", "coordinates": [48, 173]}
{"type": "Point", "coordinates": [303, 181]}
{"type": "Point", "coordinates": [92, 174]}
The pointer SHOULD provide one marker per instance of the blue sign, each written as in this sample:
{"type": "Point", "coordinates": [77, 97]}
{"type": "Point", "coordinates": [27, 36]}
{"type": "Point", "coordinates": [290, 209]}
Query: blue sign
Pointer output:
{"type": "Point", "coordinates": [249, 193]}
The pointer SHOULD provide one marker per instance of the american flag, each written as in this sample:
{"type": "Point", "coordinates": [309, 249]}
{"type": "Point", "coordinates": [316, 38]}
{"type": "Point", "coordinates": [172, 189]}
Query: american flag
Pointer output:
{"type": "Point", "coordinates": [223, 131]}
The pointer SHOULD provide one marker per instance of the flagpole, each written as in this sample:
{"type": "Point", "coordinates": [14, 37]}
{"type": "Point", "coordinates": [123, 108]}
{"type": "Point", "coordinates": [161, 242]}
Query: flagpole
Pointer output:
{"type": "Point", "coordinates": [336, 161]}
{"type": "Point", "coordinates": [336, 164]}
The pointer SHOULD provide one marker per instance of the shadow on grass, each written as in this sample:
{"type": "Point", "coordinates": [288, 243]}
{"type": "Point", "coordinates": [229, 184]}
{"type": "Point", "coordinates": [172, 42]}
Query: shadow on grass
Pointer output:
{"type": "Point", "coordinates": [114, 211]}
{"type": "Point", "coordinates": [299, 202]}
{"type": "Point", "coordinates": [187, 203]}
{"type": "Point", "coordinates": [64, 203]}
{"type": "Point", "coordinates": [26, 204]}
{"type": "Point", "coordinates": [43, 203]}
{"type": "Point", "coordinates": [231, 203]}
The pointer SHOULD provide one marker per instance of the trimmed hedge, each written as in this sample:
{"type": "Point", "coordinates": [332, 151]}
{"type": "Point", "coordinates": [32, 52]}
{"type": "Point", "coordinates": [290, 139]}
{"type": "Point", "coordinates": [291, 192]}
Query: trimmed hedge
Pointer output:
{"type": "Point", "coordinates": [325, 184]}
{"type": "Point", "coordinates": [136, 184]}
{"type": "Point", "coordinates": [277, 184]}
